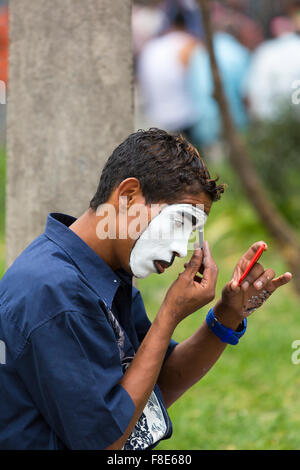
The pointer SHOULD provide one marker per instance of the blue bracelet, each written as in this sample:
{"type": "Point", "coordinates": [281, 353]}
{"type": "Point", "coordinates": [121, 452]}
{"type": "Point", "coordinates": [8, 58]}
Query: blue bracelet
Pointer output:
{"type": "Point", "coordinates": [227, 335]}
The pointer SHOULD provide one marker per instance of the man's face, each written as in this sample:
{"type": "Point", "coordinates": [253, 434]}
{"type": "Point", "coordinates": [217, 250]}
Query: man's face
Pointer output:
{"type": "Point", "coordinates": [166, 234]}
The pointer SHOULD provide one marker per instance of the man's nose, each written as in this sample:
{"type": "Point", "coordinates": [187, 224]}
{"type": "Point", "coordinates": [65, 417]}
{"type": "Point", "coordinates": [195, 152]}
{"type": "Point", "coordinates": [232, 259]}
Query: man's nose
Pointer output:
{"type": "Point", "coordinates": [179, 248]}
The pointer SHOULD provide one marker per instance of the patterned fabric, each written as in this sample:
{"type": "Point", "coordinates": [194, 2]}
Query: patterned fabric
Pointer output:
{"type": "Point", "coordinates": [152, 425]}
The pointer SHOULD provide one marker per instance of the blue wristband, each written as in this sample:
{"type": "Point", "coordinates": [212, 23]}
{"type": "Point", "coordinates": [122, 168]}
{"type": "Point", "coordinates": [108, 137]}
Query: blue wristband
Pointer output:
{"type": "Point", "coordinates": [227, 335]}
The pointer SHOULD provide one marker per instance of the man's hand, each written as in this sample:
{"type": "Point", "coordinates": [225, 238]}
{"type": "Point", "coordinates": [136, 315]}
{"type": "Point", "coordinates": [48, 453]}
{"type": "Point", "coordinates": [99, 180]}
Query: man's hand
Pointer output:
{"type": "Point", "coordinates": [189, 292]}
{"type": "Point", "coordinates": [238, 302]}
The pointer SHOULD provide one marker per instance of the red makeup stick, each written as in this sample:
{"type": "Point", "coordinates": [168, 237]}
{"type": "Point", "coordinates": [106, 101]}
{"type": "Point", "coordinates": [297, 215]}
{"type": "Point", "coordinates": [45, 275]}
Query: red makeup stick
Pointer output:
{"type": "Point", "coordinates": [253, 261]}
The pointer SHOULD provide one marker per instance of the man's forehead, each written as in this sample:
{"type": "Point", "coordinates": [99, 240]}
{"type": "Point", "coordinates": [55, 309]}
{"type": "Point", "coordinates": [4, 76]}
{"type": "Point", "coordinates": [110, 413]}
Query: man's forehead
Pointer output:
{"type": "Point", "coordinates": [183, 206]}
{"type": "Point", "coordinates": [186, 209]}
{"type": "Point", "coordinates": [194, 212]}
{"type": "Point", "coordinates": [198, 200]}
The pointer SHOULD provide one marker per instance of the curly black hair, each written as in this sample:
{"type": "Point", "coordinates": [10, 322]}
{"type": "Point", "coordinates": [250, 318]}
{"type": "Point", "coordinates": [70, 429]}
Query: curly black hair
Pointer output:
{"type": "Point", "coordinates": [166, 165]}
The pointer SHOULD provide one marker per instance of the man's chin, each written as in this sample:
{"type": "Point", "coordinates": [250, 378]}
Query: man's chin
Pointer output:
{"type": "Point", "coordinates": [152, 267]}
{"type": "Point", "coordinates": [142, 274]}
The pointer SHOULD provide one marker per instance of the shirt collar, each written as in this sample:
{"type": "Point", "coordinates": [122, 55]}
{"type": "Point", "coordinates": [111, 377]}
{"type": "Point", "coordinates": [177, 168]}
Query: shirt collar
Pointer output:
{"type": "Point", "coordinates": [99, 274]}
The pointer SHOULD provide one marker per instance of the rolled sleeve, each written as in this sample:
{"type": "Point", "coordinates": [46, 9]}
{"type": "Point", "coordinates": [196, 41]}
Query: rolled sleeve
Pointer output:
{"type": "Point", "coordinates": [71, 366]}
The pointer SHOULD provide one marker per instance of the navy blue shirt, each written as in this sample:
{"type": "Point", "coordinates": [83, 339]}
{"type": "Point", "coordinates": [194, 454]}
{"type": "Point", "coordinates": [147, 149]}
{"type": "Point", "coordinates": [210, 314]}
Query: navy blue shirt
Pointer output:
{"type": "Point", "coordinates": [70, 326]}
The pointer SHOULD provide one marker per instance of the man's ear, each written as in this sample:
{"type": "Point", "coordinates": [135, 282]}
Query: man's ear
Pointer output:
{"type": "Point", "coordinates": [129, 192]}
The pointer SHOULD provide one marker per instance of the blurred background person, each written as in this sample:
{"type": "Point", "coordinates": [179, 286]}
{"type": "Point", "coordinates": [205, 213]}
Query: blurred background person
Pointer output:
{"type": "Point", "coordinates": [281, 25]}
{"type": "Point", "coordinates": [231, 16]}
{"type": "Point", "coordinates": [190, 11]}
{"type": "Point", "coordinates": [275, 68]}
{"type": "Point", "coordinates": [148, 20]}
{"type": "Point", "coordinates": [162, 73]}
{"type": "Point", "coordinates": [233, 60]}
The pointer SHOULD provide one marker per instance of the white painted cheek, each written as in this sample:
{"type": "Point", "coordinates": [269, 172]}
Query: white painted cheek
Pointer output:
{"type": "Point", "coordinates": [141, 259]}
{"type": "Point", "coordinates": [179, 243]}
{"type": "Point", "coordinates": [150, 246]}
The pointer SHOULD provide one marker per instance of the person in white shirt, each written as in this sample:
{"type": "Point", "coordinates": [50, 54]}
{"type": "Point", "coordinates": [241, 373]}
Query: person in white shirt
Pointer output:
{"type": "Point", "coordinates": [161, 74]}
{"type": "Point", "coordinates": [274, 71]}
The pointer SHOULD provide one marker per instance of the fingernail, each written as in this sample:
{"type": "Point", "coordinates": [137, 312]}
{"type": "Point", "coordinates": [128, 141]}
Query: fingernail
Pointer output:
{"type": "Point", "coordinates": [234, 285]}
{"type": "Point", "coordinates": [258, 284]}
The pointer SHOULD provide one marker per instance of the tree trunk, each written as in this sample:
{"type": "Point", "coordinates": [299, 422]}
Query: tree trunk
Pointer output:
{"type": "Point", "coordinates": [70, 102]}
{"type": "Point", "coordinates": [278, 227]}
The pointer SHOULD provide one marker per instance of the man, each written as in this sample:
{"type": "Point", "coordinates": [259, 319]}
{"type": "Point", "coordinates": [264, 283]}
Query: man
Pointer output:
{"type": "Point", "coordinates": [161, 72]}
{"type": "Point", "coordinates": [85, 368]}
{"type": "Point", "coordinates": [233, 61]}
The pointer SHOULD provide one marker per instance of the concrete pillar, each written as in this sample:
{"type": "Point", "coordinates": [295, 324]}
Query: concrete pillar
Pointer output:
{"type": "Point", "coordinates": [70, 102]}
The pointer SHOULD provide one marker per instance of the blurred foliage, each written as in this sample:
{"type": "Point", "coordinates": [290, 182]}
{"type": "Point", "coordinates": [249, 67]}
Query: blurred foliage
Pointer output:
{"type": "Point", "coordinates": [275, 149]}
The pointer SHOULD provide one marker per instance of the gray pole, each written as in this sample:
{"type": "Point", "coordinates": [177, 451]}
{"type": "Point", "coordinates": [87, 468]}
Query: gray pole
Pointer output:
{"type": "Point", "coordinates": [70, 102]}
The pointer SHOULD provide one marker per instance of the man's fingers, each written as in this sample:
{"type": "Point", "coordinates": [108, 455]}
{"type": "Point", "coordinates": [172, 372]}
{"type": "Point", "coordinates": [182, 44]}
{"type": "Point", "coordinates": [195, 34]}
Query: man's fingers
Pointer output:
{"type": "Point", "coordinates": [210, 272]}
{"type": "Point", "coordinates": [244, 262]}
{"type": "Point", "coordinates": [253, 249]}
{"type": "Point", "coordinates": [192, 267]}
{"type": "Point", "coordinates": [264, 279]}
{"type": "Point", "coordinates": [253, 275]}
{"type": "Point", "coordinates": [281, 280]}
{"type": "Point", "coordinates": [232, 288]}
{"type": "Point", "coordinates": [198, 279]}
{"type": "Point", "coordinates": [246, 258]}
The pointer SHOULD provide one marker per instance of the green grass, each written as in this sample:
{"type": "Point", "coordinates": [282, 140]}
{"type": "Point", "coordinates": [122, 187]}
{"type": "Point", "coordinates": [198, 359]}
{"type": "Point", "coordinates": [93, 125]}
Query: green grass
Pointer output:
{"type": "Point", "coordinates": [249, 400]}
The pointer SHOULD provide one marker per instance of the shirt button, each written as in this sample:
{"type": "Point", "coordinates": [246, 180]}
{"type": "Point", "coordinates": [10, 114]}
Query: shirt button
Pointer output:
{"type": "Point", "coordinates": [115, 280]}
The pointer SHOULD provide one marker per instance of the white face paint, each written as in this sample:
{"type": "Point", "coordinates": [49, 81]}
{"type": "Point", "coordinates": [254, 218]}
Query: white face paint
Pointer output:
{"type": "Point", "coordinates": [167, 233]}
